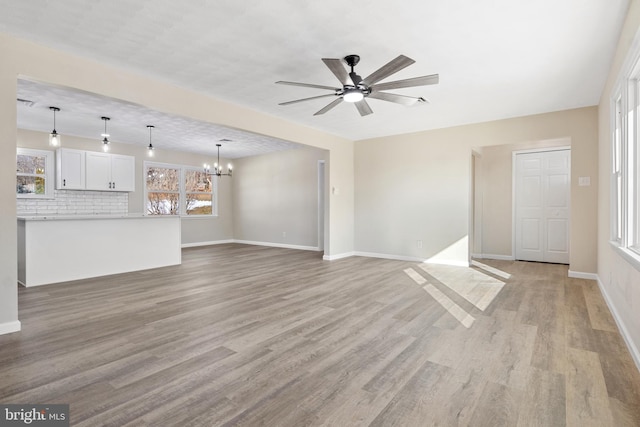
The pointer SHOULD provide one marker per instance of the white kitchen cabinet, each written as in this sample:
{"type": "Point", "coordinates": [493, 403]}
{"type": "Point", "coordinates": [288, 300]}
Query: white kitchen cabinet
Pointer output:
{"type": "Point", "coordinates": [110, 172]}
{"type": "Point", "coordinates": [70, 169]}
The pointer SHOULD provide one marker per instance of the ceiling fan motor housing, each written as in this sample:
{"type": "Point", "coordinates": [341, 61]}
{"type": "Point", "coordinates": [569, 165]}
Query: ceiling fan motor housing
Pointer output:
{"type": "Point", "coordinates": [352, 60]}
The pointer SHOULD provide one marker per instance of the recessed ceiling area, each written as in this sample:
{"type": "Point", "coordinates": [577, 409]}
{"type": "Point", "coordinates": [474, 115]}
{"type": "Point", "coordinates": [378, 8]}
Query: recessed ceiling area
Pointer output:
{"type": "Point", "coordinates": [80, 115]}
{"type": "Point", "coordinates": [496, 59]}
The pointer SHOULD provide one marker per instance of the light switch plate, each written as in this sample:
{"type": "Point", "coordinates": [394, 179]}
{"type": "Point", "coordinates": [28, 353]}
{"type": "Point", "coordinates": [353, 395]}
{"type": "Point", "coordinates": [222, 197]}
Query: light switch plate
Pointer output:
{"type": "Point", "coordinates": [584, 181]}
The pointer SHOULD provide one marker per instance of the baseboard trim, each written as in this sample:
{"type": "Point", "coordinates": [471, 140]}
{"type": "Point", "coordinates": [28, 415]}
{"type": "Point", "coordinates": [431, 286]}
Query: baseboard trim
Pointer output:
{"type": "Point", "coordinates": [581, 275]}
{"type": "Point", "coordinates": [494, 256]}
{"type": "Point", "coordinates": [278, 245]}
{"type": "Point", "coordinates": [412, 259]}
{"type": "Point", "coordinates": [10, 327]}
{"type": "Point", "coordinates": [451, 262]}
{"type": "Point", "coordinates": [635, 353]}
{"type": "Point", "coordinates": [338, 256]}
{"type": "Point", "coordinates": [388, 256]}
{"type": "Point", "coordinates": [209, 243]}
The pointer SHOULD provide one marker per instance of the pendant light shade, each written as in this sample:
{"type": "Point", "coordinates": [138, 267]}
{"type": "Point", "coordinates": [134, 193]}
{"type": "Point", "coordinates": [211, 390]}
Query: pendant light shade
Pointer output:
{"type": "Point", "coordinates": [150, 147]}
{"type": "Point", "coordinates": [105, 135]}
{"type": "Point", "coordinates": [54, 137]}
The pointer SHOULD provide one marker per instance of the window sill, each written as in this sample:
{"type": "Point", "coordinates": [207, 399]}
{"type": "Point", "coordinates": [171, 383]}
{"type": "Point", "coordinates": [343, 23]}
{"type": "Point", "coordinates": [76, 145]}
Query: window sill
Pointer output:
{"type": "Point", "coordinates": [198, 216]}
{"type": "Point", "coordinates": [628, 255]}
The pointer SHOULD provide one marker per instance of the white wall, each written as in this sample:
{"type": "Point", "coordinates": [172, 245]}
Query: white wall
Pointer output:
{"type": "Point", "coordinates": [276, 198]}
{"type": "Point", "coordinates": [8, 226]}
{"type": "Point", "coordinates": [418, 186]}
{"type": "Point", "coordinates": [618, 279]}
{"type": "Point", "coordinates": [496, 192]}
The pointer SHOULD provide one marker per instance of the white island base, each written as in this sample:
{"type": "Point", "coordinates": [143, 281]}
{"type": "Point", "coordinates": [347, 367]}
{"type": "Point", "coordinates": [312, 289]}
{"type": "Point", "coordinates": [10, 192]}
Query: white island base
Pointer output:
{"type": "Point", "coordinates": [53, 249]}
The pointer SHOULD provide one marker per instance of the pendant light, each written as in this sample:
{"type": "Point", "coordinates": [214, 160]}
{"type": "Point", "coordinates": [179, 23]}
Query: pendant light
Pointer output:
{"type": "Point", "coordinates": [54, 137]}
{"type": "Point", "coordinates": [105, 135]}
{"type": "Point", "coordinates": [150, 147]}
{"type": "Point", "coordinates": [217, 167]}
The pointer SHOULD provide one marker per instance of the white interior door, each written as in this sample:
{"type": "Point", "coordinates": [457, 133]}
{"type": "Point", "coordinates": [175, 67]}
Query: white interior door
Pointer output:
{"type": "Point", "coordinates": [542, 197]}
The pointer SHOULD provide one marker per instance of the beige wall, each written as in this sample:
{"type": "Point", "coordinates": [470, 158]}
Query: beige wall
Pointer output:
{"type": "Point", "coordinates": [194, 230]}
{"type": "Point", "coordinates": [25, 59]}
{"type": "Point", "coordinates": [496, 196]}
{"type": "Point", "coordinates": [418, 186]}
{"type": "Point", "coordinates": [276, 198]}
{"type": "Point", "coordinates": [8, 225]}
{"type": "Point", "coordinates": [619, 280]}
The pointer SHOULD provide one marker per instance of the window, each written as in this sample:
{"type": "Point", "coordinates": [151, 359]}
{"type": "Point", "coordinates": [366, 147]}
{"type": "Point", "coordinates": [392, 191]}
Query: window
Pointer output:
{"type": "Point", "coordinates": [198, 192]}
{"type": "Point", "coordinates": [616, 173]}
{"type": "Point", "coordinates": [34, 173]}
{"type": "Point", "coordinates": [178, 190]}
{"type": "Point", "coordinates": [163, 190]}
{"type": "Point", "coordinates": [625, 161]}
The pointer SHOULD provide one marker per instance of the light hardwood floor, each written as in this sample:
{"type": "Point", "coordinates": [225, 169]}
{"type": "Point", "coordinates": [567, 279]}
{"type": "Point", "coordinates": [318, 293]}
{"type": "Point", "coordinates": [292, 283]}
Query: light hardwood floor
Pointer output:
{"type": "Point", "coordinates": [245, 335]}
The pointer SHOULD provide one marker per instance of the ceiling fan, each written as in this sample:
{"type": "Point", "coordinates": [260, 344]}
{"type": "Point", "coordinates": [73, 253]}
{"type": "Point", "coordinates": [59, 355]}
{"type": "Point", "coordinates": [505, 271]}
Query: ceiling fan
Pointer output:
{"type": "Point", "coordinates": [355, 89]}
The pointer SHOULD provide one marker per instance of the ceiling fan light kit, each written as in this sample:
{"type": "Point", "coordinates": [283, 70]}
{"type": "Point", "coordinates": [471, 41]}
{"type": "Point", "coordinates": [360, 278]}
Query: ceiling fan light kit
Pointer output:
{"type": "Point", "coordinates": [355, 89]}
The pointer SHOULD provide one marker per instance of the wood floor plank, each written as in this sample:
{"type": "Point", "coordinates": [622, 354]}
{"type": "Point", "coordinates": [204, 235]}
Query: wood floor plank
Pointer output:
{"type": "Point", "coordinates": [587, 398]}
{"type": "Point", "coordinates": [543, 403]}
{"type": "Point", "coordinates": [248, 335]}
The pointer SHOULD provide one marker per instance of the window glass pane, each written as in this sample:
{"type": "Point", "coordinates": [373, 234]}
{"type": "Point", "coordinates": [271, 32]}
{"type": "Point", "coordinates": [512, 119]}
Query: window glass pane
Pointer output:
{"type": "Point", "coordinates": [30, 185]}
{"type": "Point", "coordinates": [162, 179]}
{"type": "Point", "coordinates": [199, 204]}
{"type": "Point", "coordinates": [163, 203]}
{"type": "Point", "coordinates": [618, 217]}
{"type": "Point", "coordinates": [197, 181]}
{"type": "Point", "coordinates": [30, 164]}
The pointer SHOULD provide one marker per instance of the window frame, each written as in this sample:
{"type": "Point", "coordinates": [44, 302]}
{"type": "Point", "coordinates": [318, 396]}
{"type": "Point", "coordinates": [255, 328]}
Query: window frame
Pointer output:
{"type": "Point", "coordinates": [182, 198]}
{"type": "Point", "coordinates": [48, 175]}
{"type": "Point", "coordinates": [625, 160]}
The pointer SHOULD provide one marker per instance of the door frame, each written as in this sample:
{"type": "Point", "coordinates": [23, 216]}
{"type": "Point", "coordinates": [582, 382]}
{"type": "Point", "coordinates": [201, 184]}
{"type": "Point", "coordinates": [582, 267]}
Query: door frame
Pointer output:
{"type": "Point", "coordinates": [322, 171]}
{"type": "Point", "coordinates": [513, 185]}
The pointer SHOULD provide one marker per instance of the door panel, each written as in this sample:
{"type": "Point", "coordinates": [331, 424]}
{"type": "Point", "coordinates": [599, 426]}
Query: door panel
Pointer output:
{"type": "Point", "coordinates": [542, 204]}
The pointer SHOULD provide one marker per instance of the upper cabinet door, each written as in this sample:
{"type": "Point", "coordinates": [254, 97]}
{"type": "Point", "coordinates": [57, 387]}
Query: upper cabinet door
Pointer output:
{"type": "Point", "coordinates": [70, 169]}
{"type": "Point", "coordinates": [98, 176]}
{"type": "Point", "coordinates": [123, 173]}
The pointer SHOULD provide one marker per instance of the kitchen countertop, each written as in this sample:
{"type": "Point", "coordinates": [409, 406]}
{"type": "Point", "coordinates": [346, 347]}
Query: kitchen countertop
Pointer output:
{"type": "Point", "coordinates": [90, 216]}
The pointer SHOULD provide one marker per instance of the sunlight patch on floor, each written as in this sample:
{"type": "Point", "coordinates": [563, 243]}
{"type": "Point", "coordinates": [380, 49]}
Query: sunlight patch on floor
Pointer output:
{"type": "Point", "coordinates": [473, 285]}
{"type": "Point", "coordinates": [491, 270]}
{"type": "Point", "coordinates": [454, 309]}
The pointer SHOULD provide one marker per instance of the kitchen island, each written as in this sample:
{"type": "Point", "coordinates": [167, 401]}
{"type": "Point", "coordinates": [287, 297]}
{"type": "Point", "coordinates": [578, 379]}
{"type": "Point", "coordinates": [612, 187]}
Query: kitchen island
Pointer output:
{"type": "Point", "coordinates": [60, 248]}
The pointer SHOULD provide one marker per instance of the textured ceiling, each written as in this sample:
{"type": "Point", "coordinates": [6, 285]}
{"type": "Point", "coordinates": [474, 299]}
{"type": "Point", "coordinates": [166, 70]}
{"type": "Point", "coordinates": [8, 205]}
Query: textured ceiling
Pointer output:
{"type": "Point", "coordinates": [80, 115]}
{"type": "Point", "coordinates": [496, 58]}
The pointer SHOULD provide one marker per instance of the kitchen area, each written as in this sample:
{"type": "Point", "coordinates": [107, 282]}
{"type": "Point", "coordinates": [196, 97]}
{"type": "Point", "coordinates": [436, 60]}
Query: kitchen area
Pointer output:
{"type": "Point", "coordinates": [74, 220]}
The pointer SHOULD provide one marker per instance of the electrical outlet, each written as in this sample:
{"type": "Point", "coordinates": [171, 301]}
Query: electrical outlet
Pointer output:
{"type": "Point", "coordinates": [419, 244]}
{"type": "Point", "coordinates": [284, 234]}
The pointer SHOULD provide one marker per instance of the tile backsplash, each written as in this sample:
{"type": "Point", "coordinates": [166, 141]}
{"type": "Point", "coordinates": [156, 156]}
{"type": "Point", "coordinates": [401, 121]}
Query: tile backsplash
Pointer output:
{"type": "Point", "coordinates": [76, 202]}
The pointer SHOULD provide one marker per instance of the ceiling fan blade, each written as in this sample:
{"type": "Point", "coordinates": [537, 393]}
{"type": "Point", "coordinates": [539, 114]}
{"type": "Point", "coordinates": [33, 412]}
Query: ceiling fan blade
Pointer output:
{"type": "Point", "coordinates": [338, 70]}
{"type": "Point", "coordinates": [398, 99]}
{"type": "Point", "coordinates": [329, 106]}
{"type": "Point", "coordinates": [306, 85]}
{"type": "Point", "coordinates": [307, 99]}
{"type": "Point", "coordinates": [386, 70]}
{"type": "Point", "coordinates": [363, 108]}
{"type": "Point", "coordinates": [415, 81]}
